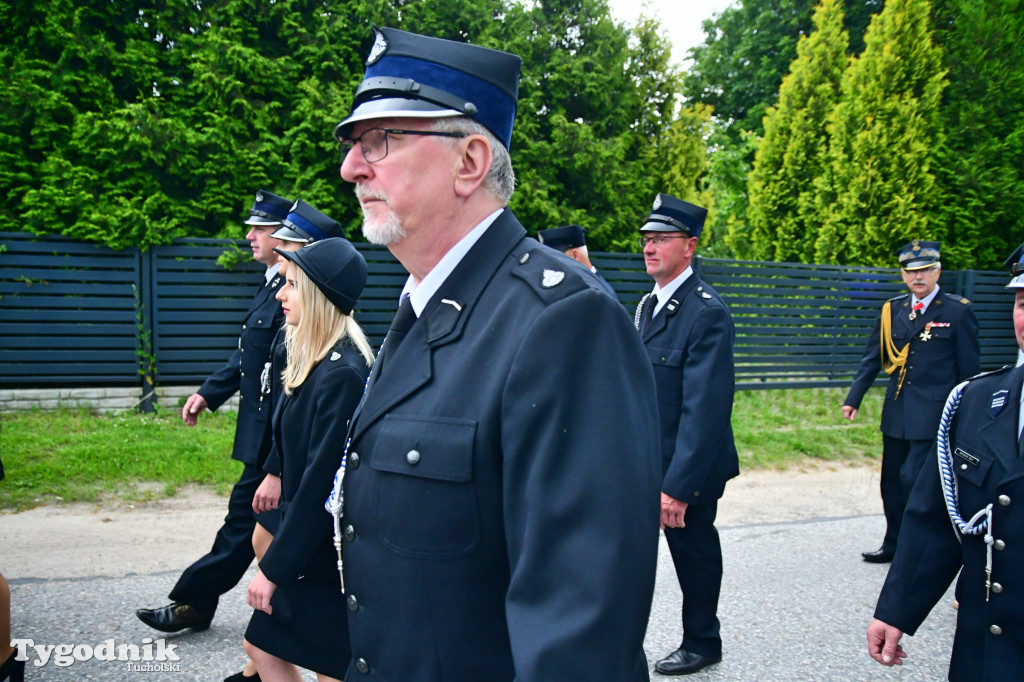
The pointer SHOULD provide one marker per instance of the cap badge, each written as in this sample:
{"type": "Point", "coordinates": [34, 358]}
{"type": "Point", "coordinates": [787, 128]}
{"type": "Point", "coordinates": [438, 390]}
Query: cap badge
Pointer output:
{"type": "Point", "coordinates": [540, 238]}
{"type": "Point", "coordinates": [335, 356]}
{"type": "Point", "coordinates": [552, 278]}
{"type": "Point", "coordinates": [657, 203]}
{"type": "Point", "coordinates": [380, 46]}
{"type": "Point", "coordinates": [259, 196]}
{"type": "Point", "coordinates": [917, 245]}
{"type": "Point", "coordinates": [294, 206]}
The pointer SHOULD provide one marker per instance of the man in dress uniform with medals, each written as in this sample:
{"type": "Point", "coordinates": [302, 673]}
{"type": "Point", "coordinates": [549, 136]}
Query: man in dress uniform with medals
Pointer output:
{"type": "Point", "coordinates": [572, 241]}
{"type": "Point", "coordinates": [927, 341]}
{"type": "Point", "coordinates": [499, 508]}
{"type": "Point", "coordinates": [966, 515]}
{"type": "Point", "coordinates": [195, 596]}
{"type": "Point", "coordinates": [688, 332]}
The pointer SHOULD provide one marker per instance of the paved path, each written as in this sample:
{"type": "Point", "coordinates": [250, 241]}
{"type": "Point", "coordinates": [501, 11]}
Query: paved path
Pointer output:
{"type": "Point", "coordinates": [795, 600]}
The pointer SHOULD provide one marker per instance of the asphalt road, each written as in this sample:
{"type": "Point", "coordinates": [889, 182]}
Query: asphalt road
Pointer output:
{"type": "Point", "coordinates": [795, 602]}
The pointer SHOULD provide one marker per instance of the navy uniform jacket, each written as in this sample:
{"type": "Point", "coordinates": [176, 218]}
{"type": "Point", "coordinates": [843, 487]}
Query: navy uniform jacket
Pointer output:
{"type": "Point", "coordinates": [502, 483]}
{"type": "Point", "coordinates": [690, 346]}
{"type": "Point", "coordinates": [934, 366]}
{"type": "Point", "coordinates": [309, 430]}
{"type": "Point", "coordinates": [243, 372]}
{"type": "Point", "coordinates": [983, 446]}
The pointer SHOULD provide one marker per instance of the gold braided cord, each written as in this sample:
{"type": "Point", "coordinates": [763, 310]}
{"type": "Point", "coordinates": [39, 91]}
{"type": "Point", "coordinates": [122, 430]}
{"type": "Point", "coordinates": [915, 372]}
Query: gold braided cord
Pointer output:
{"type": "Point", "coordinates": [892, 359]}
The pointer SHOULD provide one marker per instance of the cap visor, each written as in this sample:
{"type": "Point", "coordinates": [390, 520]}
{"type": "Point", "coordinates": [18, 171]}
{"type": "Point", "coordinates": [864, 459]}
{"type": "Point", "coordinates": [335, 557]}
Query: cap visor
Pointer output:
{"type": "Point", "coordinates": [658, 226]}
{"type": "Point", "coordinates": [1016, 283]}
{"type": "Point", "coordinates": [393, 107]}
{"type": "Point", "coordinates": [918, 266]}
{"type": "Point", "coordinates": [259, 220]}
{"type": "Point", "coordinates": [289, 235]}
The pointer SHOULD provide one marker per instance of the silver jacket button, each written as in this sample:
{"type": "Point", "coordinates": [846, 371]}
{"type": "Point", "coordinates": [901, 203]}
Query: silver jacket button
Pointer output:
{"type": "Point", "coordinates": [413, 457]}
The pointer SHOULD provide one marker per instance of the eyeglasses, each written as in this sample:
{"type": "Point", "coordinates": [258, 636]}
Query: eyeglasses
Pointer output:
{"type": "Point", "coordinates": [658, 241]}
{"type": "Point", "coordinates": [374, 142]}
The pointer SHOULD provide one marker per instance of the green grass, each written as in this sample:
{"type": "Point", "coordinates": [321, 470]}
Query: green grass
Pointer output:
{"type": "Point", "coordinates": [78, 456]}
{"type": "Point", "coordinates": [783, 428]}
{"type": "Point", "coordinates": [73, 455]}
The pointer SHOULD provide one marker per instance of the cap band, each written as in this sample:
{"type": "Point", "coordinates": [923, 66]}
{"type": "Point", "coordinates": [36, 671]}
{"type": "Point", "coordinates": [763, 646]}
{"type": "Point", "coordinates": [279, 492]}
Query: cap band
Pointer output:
{"type": "Point", "coordinates": [304, 227]}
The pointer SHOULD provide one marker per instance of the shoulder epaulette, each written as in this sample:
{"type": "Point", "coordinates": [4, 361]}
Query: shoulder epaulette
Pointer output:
{"type": "Point", "coordinates": [957, 298]}
{"type": "Point", "coordinates": [547, 272]}
{"type": "Point", "coordinates": [901, 296]}
{"type": "Point", "coordinates": [1004, 368]}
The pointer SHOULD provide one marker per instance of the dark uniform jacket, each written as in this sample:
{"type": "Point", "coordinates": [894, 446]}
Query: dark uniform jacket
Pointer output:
{"type": "Point", "coordinates": [502, 483]}
{"type": "Point", "coordinates": [989, 641]}
{"type": "Point", "coordinates": [309, 430]}
{"type": "Point", "coordinates": [947, 354]}
{"type": "Point", "coordinates": [243, 372]}
{"type": "Point", "coordinates": [690, 346]}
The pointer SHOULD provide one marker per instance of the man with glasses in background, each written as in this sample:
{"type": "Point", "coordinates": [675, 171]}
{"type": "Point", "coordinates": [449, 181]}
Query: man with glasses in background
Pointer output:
{"type": "Point", "coordinates": [689, 336]}
{"type": "Point", "coordinates": [927, 341]}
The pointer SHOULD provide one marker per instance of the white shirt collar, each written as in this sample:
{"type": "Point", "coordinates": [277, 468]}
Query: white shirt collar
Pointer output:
{"type": "Point", "coordinates": [927, 300]}
{"type": "Point", "coordinates": [664, 294]}
{"type": "Point", "coordinates": [420, 294]}
{"type": "Point", "coordinates": [271, 272]}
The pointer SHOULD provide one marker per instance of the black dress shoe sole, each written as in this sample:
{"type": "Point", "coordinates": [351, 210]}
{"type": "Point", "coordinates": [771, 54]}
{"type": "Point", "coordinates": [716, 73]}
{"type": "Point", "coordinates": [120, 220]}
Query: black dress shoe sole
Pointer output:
{"type": "Point", "coordinates": [686, 669]}
{"type": "Point", "coordinates": [170, 629]}
{"type": "Point", "coordinates": [877, 558]}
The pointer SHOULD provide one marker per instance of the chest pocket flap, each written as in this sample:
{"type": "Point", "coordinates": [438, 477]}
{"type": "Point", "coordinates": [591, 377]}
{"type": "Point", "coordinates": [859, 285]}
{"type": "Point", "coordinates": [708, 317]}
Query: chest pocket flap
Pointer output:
{"type": "Point", "coordinates": [428, 447]}
{"type": "Point", "coordinates": [971, 465]}
{"type": "Point", "coordinates": [667, 357]}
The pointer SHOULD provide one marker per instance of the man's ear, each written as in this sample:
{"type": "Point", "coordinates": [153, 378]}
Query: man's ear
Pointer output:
{"type": "Point", "coordinates": [473, 165]}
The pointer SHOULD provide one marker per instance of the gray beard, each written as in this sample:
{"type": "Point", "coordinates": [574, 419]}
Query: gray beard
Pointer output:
{"type": "Point", "coordinates": [384, 231]}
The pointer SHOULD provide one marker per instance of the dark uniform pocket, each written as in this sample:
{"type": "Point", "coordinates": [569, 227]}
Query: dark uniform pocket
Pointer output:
{"type": "Point", "coordinates": [971, 465]}
{"type": "Point", "coordinates": [665, 357]}
{"type": "Point", "coordinates": [425, 491]}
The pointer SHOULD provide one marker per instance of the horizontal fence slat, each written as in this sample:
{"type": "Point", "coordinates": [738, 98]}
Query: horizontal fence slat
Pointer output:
{"type": "Point", "coordinates": [69, 314]}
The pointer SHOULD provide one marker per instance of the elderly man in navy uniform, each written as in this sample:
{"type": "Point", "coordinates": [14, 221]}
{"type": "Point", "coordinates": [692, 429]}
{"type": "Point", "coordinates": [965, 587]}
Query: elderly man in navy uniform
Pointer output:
{"type": "Point", "coordinates": [927, 340]}
{"type": "Point", "coordinates": [689, 336]}
{"type": "Point", "coordinates": [572, 241]}
{"type": "Point", "coordinates": [966, 515]}
{"type": "Point", "coordinates": [197, 592]}
{"type": "Point", "coordinates": [499, 501]}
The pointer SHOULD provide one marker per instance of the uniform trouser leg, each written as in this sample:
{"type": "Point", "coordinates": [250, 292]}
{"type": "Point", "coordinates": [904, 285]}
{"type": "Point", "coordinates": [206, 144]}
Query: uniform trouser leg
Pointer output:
{"type": "Point", "coordinates": [919, 455]}
{"type": "Point", "coordinates": [697, 555]}
{"type": "Point", "coordinates": [894, 495]}
{"type": "Point", "coordinates": [203, 582]}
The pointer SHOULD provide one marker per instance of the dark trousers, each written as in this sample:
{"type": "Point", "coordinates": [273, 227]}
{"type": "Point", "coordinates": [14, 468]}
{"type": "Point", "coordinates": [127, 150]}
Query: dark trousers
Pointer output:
{"type": "Point", "coordinates": [203, 582]}
{"type": "Point", "coordinates": [697, 555]}
{"type": "Point", "coordinates": [901, 462]}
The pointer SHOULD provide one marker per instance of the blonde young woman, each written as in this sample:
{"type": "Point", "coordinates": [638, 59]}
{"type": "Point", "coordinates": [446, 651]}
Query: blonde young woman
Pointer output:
{"type": "Point", "coordinates": [300, 613]}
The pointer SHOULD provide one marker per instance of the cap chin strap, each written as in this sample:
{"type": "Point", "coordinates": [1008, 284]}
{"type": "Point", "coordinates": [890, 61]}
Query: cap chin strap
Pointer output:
{"type": "Point", "coordinates": [406, 88]}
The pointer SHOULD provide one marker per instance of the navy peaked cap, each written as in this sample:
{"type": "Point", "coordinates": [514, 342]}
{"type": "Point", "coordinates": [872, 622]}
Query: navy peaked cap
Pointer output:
{"type": "Point", "coordinates": [268, 209]}
{"type": "Point", "coordinates": [414, 76]}
{"type": "Point", "coordinates": [305, 224]}
{"type": "Point", "coordinates": [917, 254]}
{"type": "Point", "coordinates": [335, 267]}
{"type": "Point", "coordinates": [563, 238]}
{"type": "Point", "coordinates": [1016, 264]}
{"type": "Point", "coordinates": [670, 214]}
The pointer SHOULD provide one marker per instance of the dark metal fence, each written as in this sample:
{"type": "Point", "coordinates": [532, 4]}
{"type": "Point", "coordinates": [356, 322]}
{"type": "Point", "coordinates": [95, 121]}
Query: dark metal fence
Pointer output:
{"type": "Point", "coordinates": [74, 314]}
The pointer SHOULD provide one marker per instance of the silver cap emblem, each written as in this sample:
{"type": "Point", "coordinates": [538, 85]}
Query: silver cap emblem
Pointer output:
{"type": "Point", "coordinates": [380, 46]}
{"type": "Point", "coordinates": [259, 196]}
{"type": "Point", "coordinates": [657, 203]}
{"type": "Point", "coordinates": [335, 356]}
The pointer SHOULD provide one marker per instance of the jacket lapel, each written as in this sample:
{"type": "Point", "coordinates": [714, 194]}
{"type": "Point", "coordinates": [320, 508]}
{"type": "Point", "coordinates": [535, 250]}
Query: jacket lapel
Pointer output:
{"type": "Point", "coordinates": [668, 310]}
{"type": "Point", "coordinates": [442, 322]}
{"type": "Point", "coordinates": [1000, 431]}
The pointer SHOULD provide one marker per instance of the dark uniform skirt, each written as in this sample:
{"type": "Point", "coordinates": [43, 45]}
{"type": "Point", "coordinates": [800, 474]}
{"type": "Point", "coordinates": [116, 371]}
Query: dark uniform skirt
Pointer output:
{"type": "Point", "coordinates": [309, 627]}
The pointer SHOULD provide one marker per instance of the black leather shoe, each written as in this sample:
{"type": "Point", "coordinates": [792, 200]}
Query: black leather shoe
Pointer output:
{"type": "Point", "coordinates": [239, 677]}
{"type": "Point", "coordinates": [882, 555]}
{"type": "Point", "coordinates": [683, 662]}
{"type": "Point", "coordinates": [174, 617]}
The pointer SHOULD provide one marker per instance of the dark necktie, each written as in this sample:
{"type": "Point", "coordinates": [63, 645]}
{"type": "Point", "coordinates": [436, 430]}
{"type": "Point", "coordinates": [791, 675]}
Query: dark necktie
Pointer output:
{"type": "Point", "coordinates": [404, 319]}
{"type": "Point", "coordinates": [648, 312]}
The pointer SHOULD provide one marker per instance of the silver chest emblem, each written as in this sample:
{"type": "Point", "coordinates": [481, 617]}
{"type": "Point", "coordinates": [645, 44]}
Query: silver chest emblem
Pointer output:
{"type": "Point", "coordinates": [335, 356]}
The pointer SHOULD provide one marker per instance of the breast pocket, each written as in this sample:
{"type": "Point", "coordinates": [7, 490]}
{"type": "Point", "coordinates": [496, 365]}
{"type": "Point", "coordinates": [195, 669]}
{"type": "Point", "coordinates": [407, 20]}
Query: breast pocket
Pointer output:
{"type": "Point", "coordinates": [971, 465]}
{"type": "Point", "coordinates": [426, 496]}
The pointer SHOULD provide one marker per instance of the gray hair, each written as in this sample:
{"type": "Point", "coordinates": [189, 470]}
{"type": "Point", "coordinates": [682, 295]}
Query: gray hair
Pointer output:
{"type": "Point", "coordinates": [501, 179]}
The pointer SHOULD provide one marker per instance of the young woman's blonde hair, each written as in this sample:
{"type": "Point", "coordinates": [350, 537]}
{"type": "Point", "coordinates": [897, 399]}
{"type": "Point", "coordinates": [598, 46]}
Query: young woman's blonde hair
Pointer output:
{"type": "Point", "coordinates": [320, 328]}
